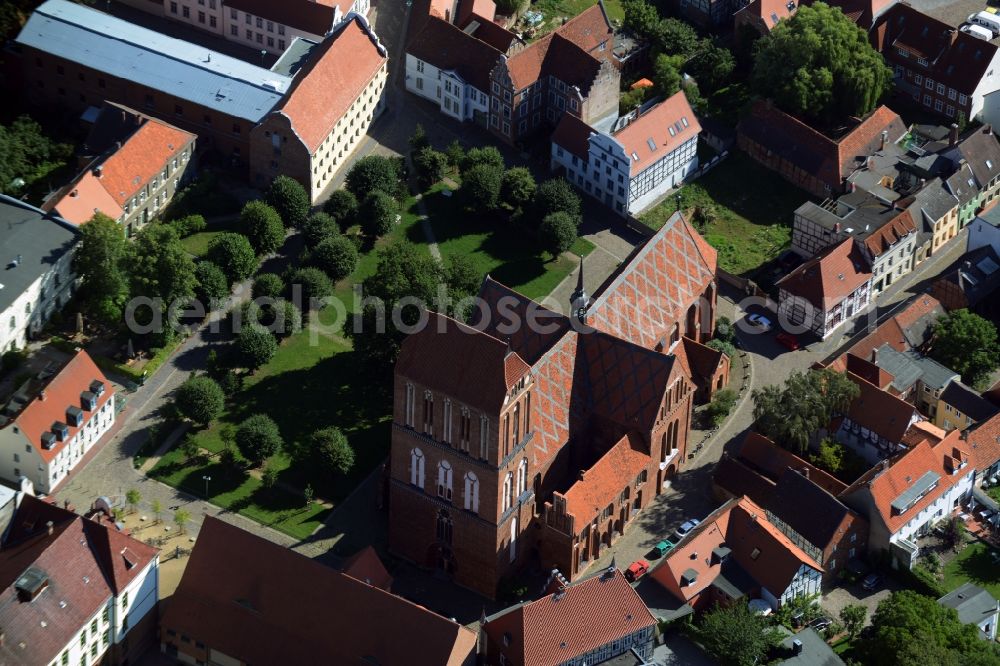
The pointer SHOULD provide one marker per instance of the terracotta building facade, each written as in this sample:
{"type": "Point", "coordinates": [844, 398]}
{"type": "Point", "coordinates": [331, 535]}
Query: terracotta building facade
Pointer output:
{"type": "Point", "coordinates": [493, 422]}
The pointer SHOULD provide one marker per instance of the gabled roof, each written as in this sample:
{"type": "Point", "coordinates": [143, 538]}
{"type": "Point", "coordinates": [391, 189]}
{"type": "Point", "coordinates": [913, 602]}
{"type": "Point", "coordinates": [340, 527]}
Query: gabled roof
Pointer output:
{"type": "Point", "coordinates": [557, 56]}
{"type": "Point", "coordinates": [739, 479]}
{"type": "Point", "coordinates": [981, 152]}
{"type": "Point", "coordinates": [975, 275]}
{"type": "Point", "coordinates": [61, 392]}
{"type": "Point", "coordinates": [568, 624]}
{"type": "Point", "coordinates": [885, 237]}
{"type": "Point", "coordinates": [966, 400]}
{"type": "Point", "coordinates": [770, 12]}
{"type": "Point", "coordinates": [973, 604]}
{"type": "Point", "coordinates": [573, 135]}
{"type": "Point", "coordinates": [983, 443]}
{"type": "Point", "coordinates": [501, 305]}
{"type": "Point", "coordinates": [485, 30]}
{"type": "Point", "coordinates": [315, 18]}
{"type": "Point", "coordinates": [275, 607]}
{"type": "Point", "coordinates": [84, 566]}
{"type": "Point", "coordinates": [655, 285]}
{"type": "Point", "coordinates": [701, 360]}
{"type": "Point", "coordinates": [83, 199]}
{"type": "Point", "coordinates": [829, 277]}
{"type": "Point", "coordinates": [880, 411]}
{"type": "Point", "coordinates": [325, 89]}
{"type": "Point", "coordinates": [435, 40]}
{"type": "Point", "coordinates": [808, 509]}
{"type": "Point", "coordinates": [589, 30]}
{"type": "Point", "coordinates": [657, 132]}
{"type": "Point", "coordinates": [600, 486]}
{"type": "Point", "coordinates": [762, 454]}
{"type": "Point", "coordinates": [366, 566]}
{"type": "Point", "coordinates": [461, 361]}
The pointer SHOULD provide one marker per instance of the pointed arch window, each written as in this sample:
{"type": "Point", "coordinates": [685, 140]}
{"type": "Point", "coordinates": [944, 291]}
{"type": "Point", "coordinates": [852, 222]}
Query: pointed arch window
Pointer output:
{"type": "Point", "coordinates": [522, 477]}
{"type": "Point", "coordinates": [408, 416]}
{"type": "Point", "coordinates": [471, 492]}
{"type": "Point", "coordinates": [508, 490]}
{"type": "Point", "coordinates": [444, 527]}
{"type": "Point", "coordinates": [444, 480]}
{"type": "Point", "coordinates": [446, 422]}
{"type": "Point", "coordinates": [484, 437]}
{"type": "Point", "coordinates": [417, 468]}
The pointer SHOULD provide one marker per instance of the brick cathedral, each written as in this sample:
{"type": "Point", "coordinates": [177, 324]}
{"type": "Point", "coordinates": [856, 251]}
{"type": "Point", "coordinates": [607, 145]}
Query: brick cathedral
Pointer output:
{"type": "Point", "coordinates": [517, 445]}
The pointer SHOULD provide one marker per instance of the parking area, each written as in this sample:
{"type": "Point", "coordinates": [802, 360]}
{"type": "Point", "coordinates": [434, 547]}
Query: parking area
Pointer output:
{"type": "Point", "coordinates": [952, 12]}
{"type": "Point", "coordinates": [835, 600]}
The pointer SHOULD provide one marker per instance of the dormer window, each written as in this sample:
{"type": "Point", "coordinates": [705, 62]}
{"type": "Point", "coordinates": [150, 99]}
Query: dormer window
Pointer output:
{"type": "Point", "coordinates": [97, 388]}
{"type": "Point", "coordinates": [74, 416]}
{"type": "Point", "coordinates": [689, 577]}
{"type": "Point", "coordinates": [88, 401]}
{"type": "Point", "coordinates": [48, 440]}
{"type": "Point", "coordinates": [61, 430]}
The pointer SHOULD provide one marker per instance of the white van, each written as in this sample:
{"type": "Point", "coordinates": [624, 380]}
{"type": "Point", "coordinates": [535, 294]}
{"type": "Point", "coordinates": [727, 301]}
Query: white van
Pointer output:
{"type": "Point", "coordinates": [986, 20]}
{"type": "Point", "coordinates": [977, 31]}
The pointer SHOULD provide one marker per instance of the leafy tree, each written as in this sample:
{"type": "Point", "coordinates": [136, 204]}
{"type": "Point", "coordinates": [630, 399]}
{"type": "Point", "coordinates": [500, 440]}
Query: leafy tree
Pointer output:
{"type": "Point", "coordinates": [675, 37]}
{"type": "Point", "coordinates": [378, 214]}
{"type": "Point", "coordinates": [315, 286]}
{"type": "Point", "coordinates": [160, 267]}
{"type": "Point", "coordinates": [227, 456]}
{"type": "Point", "coordinates": [631, 100]}
{"type": "Point", "coordinates": [791, 415]}
{"type": "Point", "coordinates": [342, 206]}
{"type": "Point", "coordinates": [820, 64]}
{"type": "Point", "coordinates": [829, 457]}
{"type": "Point", "coordinates": [132, 498]}
{"type": "Point", "coordinates": [853, 616]}
{"type": "Point", "coordinates": [554, 196]}
{"type": "Point", "coordinates": [291, 318]}
{"type": "Point", "coordinates": [912, 629]}
{"type": "Point", "coordinates": [99, 261]}
{"type": "Point", "coordinates": [480, 189]}
{"type": "Point", "coordinates": [694, 96]}
{"type": "Point", "coordinates": [371, 173]}
{"type": "Point", "coordinates": [488, 155]}
{"type": "Point", "coordinates": [233, 253]}
{"type": "Point", "coordinates": [722, 404]}
{"type": "Point", "coordinates": [462, 276]}
{"type": "Point", "coordinates": [726, 348]}
{"type": "Point", "coordinates": [268, 284]}
{"type": "Point", "coordinates": [258, 438]}
{"type": "Point", "coordinates": [724, 329]}
{"type": "Point", "coordinates": [24, 148]}
{"type": "Point", "coordinates": [190, 448]}
{"type": "Point", "coordinates": [212, 283]}
{"type": "Point", "coordinates": [508, 7]}
{"type": "Point", "coordinates": [181, 519]}
{"type": "Point", "coordinates": [263, 226]}
{"type": "Point", "coordinates": [256, 345]}
{"type": "Point", "coordinates": [118, 514]}
{"type": "Point", "coordinates": [418, 140]}
{"type": "Point", "coordinates": [331, 450]}
{"type": "Point", "coordinates": [641, 18]}
{"type": "Point", "coordinates": [157, 508]}
{"type": "Point", "coordinates": [517, 187]}
{"type": "Point", "coordinates": [429, 165]}
{"type": "Point", "coordinates": [558, 232]}
{"type": "Point", "coordinates": [200, 399]}
{"type": "Point", "coordinates": [308, 494]}
{"type": "Point", "coordinates": [319, 227]}
{"type": "Point", "coordinates": [966, 343]}
{"type": "Point", "coordinates": [711, 66]}
{"type": "Point", "coordinates": [955, 533]}
{"type": "Point", "coordinates": [667, 74]}
{"type": "Point", "coordinates": [269, 477]}
{"type": "Point", "coordinates": [287, 196]}
{"type": "Point", "coordinates": [736, 636]}
{"type": "Point", "coordinates": [189, 224]}
{"type": "Point", "coordinates": [455, 153]}
{"type": "Point", "coordinates": [336, 256]}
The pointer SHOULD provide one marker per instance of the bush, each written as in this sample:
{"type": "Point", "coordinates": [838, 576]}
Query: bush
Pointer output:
{"type": "Point", "coordinates": [336, 256]}
{"type": "Point", "coordinates": [319, 227]}
{"type": "Point", "coordinates": [268, 284]}
{"type": "Point", "coordinates": [480, 191]}
{"type": "Point", "coordinates": [558, 232]}
{"type": "Point", "coordinates": [331, 450]}
{"type": "Point", "coordinates": [722, 346]}
{"type": "Point", "coordinates": [724, 329]}
{"type": "Point", "coordinates": [212, 283]}
{"type": "Point", "coordinates": [373, 173]}
{"type": "Point", "coordinates": [13, 359]}
{"type": "Point", "coordinates": [517, 187]}
{"type": "Point", "coordinates": [233, 253]}
{"type": "Point", "coordinates": [553, 196]}
{"type": "Point", "coordinates": [258, 438]}
{"type": "Point", "coordinates": [189, 224]}
{"type": "Point", "coordinates": [378, 214]}
{"type": "Point", "coordinates": [342, 206]}
{"type": "Point", "coordinates": [488, 156]}
{"type": "Point", "coordinates": [263, 226]}
{"type": "Point", "coordinates": [429, 166]}
{"type": "Point", "coordinates": [314, 284]}
{"type": "Point", "coordinates": [722, 403]}
{"type": "Point", "coordinates": [256, 345]}
{"type": "Point", "coordinates": [287, 196]}
{"type": "Point", "coordinates": [200, 399]}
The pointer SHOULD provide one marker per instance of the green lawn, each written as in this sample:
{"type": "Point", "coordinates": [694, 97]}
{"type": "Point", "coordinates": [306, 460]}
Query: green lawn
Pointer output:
{"type": "Point", "coordinates": [557, 9]}
{"type": "Point", "coordinates": [197, 244]}
{"type": "Point", "coordinates": [497, 246]}
{"type": "Point", "coordinates": [309, 384]}
{"type": "Point", "coordinates": [973, 565]}
{"type": "Point", "coordinates": [750, 210]}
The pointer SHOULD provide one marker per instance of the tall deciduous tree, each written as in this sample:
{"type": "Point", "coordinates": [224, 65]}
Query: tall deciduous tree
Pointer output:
{"type": "Point", "coordinates": [641, 17]}
{"type": "Point", "coordinates": [256, 345]}
{"type": "Point", "coordinates": [711, 66]}
{"type": "Point", "coordinates": [819, 63]}
{"type": "Point", "coordinates": [480, 190]}
{"type": "Point", "coordinates": [966, 343]}
{"type": "Point", "coordinates": [200, 399]}
{"type": "Point", "coordinates": [99, 262]}
{"type": "Point", "coordinates": [554, 196]}
{"type": "Point", "coordinates": [342, 206]}
{"type": "Point", "coordinates": [517, 187]}
{"type": "Point", "coordinates": [320, 226]}
{"type": "Point", "coordinates": [287, 196]}
{"type": "Point", "coordinates": [233, 253]}
{"type": "Point", "coordinates": [667, 73]}
{"type": "Point", "coordinates": [212, 283]}
{"type": "Point", "coordinates": [336, 256]}
{"type": "Point", "coordinates": [488, 155]}
{"type": "Point", "coordinates": [429, 166]}
{"type": "Point", "coordinates": [675, 37]}
{"type": "Point", "coordinates": [258, 438]}
{"type": "Point", "coordinates": [160, 267]}
{"type": "Point", "coordinates": [737, 636]}
{"type": "Point", "coordinates": [558, 232]}
{"type": "Point", "coordinates": [792, 414]}
{"type": "Point", "coordinates": [263, 226]}
{"type": "Point", "coordinates": [331, 450]}
{"type": "Point", "coordinates": [378, 214]}
{"type": "Point", "coordinates": [370, 173]}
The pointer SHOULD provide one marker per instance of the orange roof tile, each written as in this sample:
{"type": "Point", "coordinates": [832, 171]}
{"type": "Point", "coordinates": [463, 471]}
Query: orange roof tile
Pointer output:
{"type": "Point", "coordinates": [571, 623]}
{"type": "Point", "coordinates": [829, 277]}
{"type": "Point", "coordinates": [62, 391]}
{"type": "Point", "coordinates": [880, 411]}
{"type": "Point", "coordinates": [366, 566]}
{"type": "Point", "coordinates": [589, 29]}
{"type": "Point", "coordinates": [325, 90]}
{"type": "Point", "coordinates": [770, 12]}
{"type": "Point", "coordinates": [882, 239]}
{"type": "Point", "coordinates": [983, 443]}
{"type": "Point", "coordinates": [763, 454]}
{"type": "Point", "coordinates": [85, 198]}
{"type": "Point", "coordinates": [598, 486]}
{"type": "Point", "coordinates": [658, 131]}
{"type": "Point", "coordinates": [141, 158]}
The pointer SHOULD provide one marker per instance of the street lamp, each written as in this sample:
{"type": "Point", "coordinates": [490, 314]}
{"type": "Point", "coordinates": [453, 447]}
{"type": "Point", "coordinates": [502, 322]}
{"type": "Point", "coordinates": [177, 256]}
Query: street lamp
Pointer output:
{"type": "Point", "coordinates": [678, 197]}
{"type": "Point", "coordinates": [263, 52]}
{"type": "Point", "coordinates": [207, 479]}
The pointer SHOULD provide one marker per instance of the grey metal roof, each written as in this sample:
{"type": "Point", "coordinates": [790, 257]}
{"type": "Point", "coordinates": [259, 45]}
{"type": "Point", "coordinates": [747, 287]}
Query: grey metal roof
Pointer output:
{"type": "Point", "coordinates": [133, 53]}
{"type": "Point", "coordinates": [909, 496]}
{"type": "Point", "coordinates": [932, 373]}
{"type": "Point", "coordinates": [904, 370]}
{"type": "Point", "coordinates": [38, 239]}
{"type": "Point", "coordinates": [973, 603]}
{"type": "Point", "coordinates": [294, 57]}
{"type": "Point", "coordinates": [815, 651]}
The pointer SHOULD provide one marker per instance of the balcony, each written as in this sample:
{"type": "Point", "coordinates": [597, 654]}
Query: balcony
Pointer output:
{"type": "Point", "coordinates": [670, 458]}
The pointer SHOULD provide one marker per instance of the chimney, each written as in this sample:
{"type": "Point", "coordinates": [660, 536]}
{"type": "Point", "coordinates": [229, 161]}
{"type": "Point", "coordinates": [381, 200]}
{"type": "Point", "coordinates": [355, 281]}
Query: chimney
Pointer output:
{"type": "Point", "coordinates": [41, 395]}
{"type": "Point", "coordinates": [836, 227]}
{"type": "Point", "coordinates": [805, 472]}
{"type": "Point", "coordinates": [885, 138]}
{"type": "Point", "coordinates": [49, 526]}
{"type": "Point", "coordinates": [75, 193]}
{"type": "Point", "coordinates": [875, 356]}
{"type": "Point", "coordinates": [583, 473]}
{"type": "Point", "coordinates": [98, 171]}
{"type": "Point", "coordinates": [953, 135]}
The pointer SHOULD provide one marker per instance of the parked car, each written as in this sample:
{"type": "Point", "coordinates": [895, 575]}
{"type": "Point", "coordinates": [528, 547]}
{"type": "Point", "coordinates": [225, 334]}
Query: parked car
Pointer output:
{"type": "Point", "coordinates": [686, 527]}
{"type": "Point", "coordinates": [787, 340]}
{"type": "Point", "coordinates": [759, 322]}
{"type": "Point", "coordinates": [977, 31]}
{"type": "Point", "coordinates": [821, 623]}
{"type": "Point", "coordinates": [872, 581]}
{"type": "Point", "coordinates": [662, 548]}
{"type": "Point", "coordinates": [637, 570]}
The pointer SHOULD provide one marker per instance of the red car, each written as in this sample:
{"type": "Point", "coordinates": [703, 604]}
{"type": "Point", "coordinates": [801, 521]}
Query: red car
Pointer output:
{"type": "Point", "coordinates": [637, 570]}
{"type": "Point", "coordinates": [788, 340]}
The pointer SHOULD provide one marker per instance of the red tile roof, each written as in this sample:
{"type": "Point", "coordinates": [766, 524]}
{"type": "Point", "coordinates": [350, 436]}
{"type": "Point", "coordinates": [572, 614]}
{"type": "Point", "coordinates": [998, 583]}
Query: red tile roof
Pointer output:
{"type": "Point", "coordinates": [84, 565]}
{"type": "Point", "coordinates": [275, 608]}
{"type": "Point", "coordinates": [984, 443]}
{"type": "Point", "coordinates": [489, 32]}
{"type": "Point", "coordinates": [880, 411]}
{"type": "Point", "coordinates": [829, 277]}
{"type": "Point", "coordinates": [553, 55]}
{"type": "Point", "coordinates": [701, 360]}
{"type": "Point", "coordinates": [763, 454]}
{"type": "Point", "coordinates": [84, 198]}
{"type": "Point", "coordinates": [861, 367]}
{"type": "Point", "coordinates": [62, 391]}
{"type": "Point", "coordinates": [882, 239]}
{"type": "Point", "coordinates": [434, 40]}
{"type": "Point", "coordinates": [366, 566]}
{"type": "Point", "coordinates": [315, 18]}
{"type": "Point", "coordinates": [601, 485]}
{"type": "Point", "coordinates": [589, 29]}
{"type": "Point", "coordinates": [485, 10]}
{"type": "Point", "coordinates": [562, 626]}
{"type": "Point", "coordinates": [573, 135]}
{"type": "Point", "coordinates": [655, 286]}
{"type": "Point", "coordinates": [141, 158]}
{"type": "Point", "coordinates": [770, 12]}
{"type": "Point", "coordinates": [324, 90]}
{"type": "Point", "coordinates": [666, 126]}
